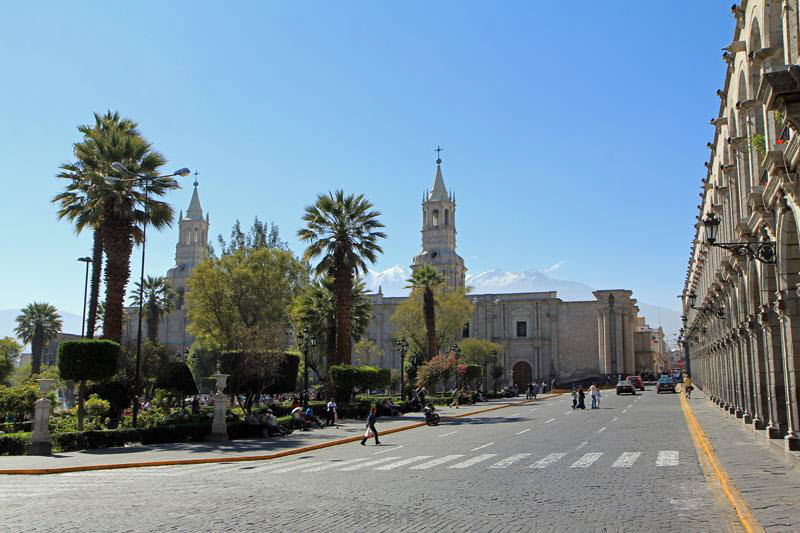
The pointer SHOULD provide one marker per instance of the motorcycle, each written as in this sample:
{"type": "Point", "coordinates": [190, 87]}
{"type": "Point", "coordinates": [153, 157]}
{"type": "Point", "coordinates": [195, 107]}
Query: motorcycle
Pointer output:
{"type": "Point", "coordinates": [431, 418]}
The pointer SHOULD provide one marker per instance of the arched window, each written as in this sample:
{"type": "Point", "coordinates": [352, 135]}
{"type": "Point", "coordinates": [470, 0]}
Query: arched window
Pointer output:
{"type": "Point", "coordinates": [196, 235]}
{"type": "Point", "coordinates": [435, 218]}
{"type": "Point", "coordinates": [446, 217]}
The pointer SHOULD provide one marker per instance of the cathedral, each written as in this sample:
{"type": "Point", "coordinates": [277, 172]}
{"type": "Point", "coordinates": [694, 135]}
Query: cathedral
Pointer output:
{"type": "Point", "coordinates": [191, 250]}
{"type": "Point", "coordinates": [543, 336]}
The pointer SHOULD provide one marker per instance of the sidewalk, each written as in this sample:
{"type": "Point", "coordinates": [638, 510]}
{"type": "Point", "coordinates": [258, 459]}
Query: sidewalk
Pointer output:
{"type": "Point", "coordinates": [769, 484]}
{"type": "Point", "coordinates": [238, 450]}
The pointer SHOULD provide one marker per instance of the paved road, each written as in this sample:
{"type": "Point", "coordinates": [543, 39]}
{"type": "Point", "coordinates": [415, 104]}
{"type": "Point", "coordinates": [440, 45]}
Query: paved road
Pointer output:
{"type": "Point", "coordinates": [629, 466]}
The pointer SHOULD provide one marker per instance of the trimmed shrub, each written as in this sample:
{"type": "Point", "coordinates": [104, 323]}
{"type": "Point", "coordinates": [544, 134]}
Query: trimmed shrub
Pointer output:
{"type": "Point", "coordinates": [347, 380]}
{"type": "Point", "coordinates": [18, 401]}
{"type": "Point", "coordinates": [14, 443]}
{"type": "Point", "coordinates": [88, 359]}
{"type": "Point", "coordinates": [96, 407]}
{"type": "Point", "coordinates": [177, 377]}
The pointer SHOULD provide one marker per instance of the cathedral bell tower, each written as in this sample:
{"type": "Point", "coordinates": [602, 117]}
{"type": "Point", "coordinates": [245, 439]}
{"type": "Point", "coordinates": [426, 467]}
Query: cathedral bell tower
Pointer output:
{"type": "Point", "coordinates": [192, 247]}
{"type": "Point", "coordinates": [439, 232]}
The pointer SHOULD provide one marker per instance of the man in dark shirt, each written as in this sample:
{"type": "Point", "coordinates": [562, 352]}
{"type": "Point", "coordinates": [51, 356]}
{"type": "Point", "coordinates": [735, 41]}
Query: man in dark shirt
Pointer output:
{"type": "Point", "coordinates": [371, 426]}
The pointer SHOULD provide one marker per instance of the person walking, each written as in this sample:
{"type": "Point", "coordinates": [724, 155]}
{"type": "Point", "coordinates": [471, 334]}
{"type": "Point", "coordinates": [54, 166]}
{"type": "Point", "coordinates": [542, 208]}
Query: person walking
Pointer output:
{"type": "Point", "coordinates": [593, 392]}
{"type": "Point", "coordinates": [552, 385]}
{"type": "Point", "coordinates": [456, 395]}
{"type": "Point", "coordinates": [687, 386]}
{"type": "Point", "coordinates": [371, 431]}
{"type": "Point", "coordinates": [529, 393]}
{"type": "Point", "coordinates": [535, 390]}
{"type": "Point", "coordinates": [581, 398]}
{"type": "Point", "coordinates": [574, 397]}
{"type": "Point", "coordinates": [331, 413]}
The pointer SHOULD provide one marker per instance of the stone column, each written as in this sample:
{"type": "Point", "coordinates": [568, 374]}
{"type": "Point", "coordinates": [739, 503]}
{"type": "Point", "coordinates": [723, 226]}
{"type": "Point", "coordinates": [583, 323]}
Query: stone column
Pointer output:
{"type": "Point", "coordinates": [219, 428]}
{"type": "Point", "coordinates": [628, 318]}
{"type": "Point", "coordinates": [791, 336]}
{"type": "Point", "coordinates": [736, 355]}
{"type": "Point", "coordinates": [602, 353]}
{"type": "Point", "coordinates": [774, 376]}
{"type": "Point", "coordinates": [759, 376]}
{"type": "Point", "coordinates": [40, 438]}
{"type": "Point", "coordinates": [744, 354]}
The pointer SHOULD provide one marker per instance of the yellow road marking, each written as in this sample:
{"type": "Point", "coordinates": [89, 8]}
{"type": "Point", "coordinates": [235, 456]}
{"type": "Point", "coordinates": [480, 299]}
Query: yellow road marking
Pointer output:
{"type": "Point", "coordinates": [703, 445]}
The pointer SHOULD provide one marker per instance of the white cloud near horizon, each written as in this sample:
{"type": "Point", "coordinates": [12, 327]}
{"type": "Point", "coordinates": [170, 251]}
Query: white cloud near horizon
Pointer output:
{"type": "Point", "coordinates": [554, 267]}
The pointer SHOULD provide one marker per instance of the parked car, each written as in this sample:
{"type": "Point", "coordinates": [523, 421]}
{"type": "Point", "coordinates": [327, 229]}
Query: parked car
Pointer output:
{"type": "Point", "coordinates": [625, 386]}
{"type": "Point", "coordinates": [665, 384]}
{"type": "Point", "coordinates": [636, 381]}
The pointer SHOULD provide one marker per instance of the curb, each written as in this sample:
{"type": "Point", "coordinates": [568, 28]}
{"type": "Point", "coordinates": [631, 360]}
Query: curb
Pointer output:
{"type": "Point", "coordinates": [293, 451]}
{"type": "Point", "coordinates": [703, 445]}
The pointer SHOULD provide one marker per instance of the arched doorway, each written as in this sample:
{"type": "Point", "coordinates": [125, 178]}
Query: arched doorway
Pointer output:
{"type": "Point", "coordinates": [521, 374]}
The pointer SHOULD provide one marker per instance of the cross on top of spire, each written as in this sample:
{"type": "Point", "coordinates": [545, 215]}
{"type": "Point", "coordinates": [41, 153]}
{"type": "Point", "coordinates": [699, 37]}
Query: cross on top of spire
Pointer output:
{"type": "Point", "coordinates": [195, 178]}
{"type": "Point", "coordinates": [438, 154]}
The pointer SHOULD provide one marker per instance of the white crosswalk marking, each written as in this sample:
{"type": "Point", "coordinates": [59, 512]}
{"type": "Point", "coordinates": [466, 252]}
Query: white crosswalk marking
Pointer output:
{"type": "Point", "coordinates": [505, 463]}
{"type": "Point", "coordinates": [473, 460]}
{"type": "Point", "coordinates": [297, 465]}
{"type": "Point", "coordinates": [549, 420]}
{"type": "Point", "coordinates": [587, 460]}
{"type": "Point", "coordinates": [436, 462]}
{"type": "Point", "coordinates": [446, 434]}
{"type": "Point", "coordinates": [368, 463]}
{"type": "Point", "coordinates": [481, 447]}
{"type": "Point", "coordinates": [615, 419]}
{"type": "Point", "coordinates": [581, 445]}
{"type": "Point", "coordinates": [547, 461]}
{"type": "Point", "coordinates": [270, 465]}
{"type": "Point", "coordinates": [334, 464]}
{"type": "Point", "coordinates": [667, 458]}
{"type": "Point", "coordinates": [403, 462]}
{"type": "Point", "coordinates": [391, 449]}
{"type": "Point", "coordinates": [524, 431]}
{"type": "Point", "coordinates": [535, 408]}
{"type": "Point", "coordinates": [512, 416]}
{"type": "Point", "coordinates": [626, 460]}
{"type": "Point", "coordinates": [602, 429]}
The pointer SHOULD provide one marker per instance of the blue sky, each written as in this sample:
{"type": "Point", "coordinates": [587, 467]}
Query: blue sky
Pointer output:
{"type": "Point", "coordinates": [574, 132]}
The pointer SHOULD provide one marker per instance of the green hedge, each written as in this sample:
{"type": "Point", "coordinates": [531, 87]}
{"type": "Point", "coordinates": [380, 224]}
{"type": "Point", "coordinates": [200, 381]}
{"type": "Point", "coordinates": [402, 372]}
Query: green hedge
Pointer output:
{"type": "Point", "coordinates": [14, 443]}
{"type": "Point", "coordinates": [177, 377]}
{"type": "Point", "coordinates": [88, 359]}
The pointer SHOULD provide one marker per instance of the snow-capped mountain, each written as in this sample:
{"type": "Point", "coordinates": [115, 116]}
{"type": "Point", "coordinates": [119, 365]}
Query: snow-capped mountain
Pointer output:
{"type": "Point", "coordinates": [392, 282]}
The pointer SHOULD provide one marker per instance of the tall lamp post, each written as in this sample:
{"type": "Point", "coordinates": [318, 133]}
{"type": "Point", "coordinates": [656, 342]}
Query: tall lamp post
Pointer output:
{"type": "Point", "coordinates": [402, 346]}
{"type": "Point", "coordinates": [146, 180]}
{"type": "Point", "coordinates": [305, 339]}
{"type": "Point", "coordinates": [86, 260]}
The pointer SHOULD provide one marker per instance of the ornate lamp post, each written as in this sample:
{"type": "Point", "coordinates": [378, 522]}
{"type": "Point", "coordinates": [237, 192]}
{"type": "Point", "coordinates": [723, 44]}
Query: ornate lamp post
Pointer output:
{"type": "Point", "coordinates": [763, 250]}
{"type": "Point", "coordinates": [86, 260]}
{"type": "Point", "coordinates": [145, 181]}
{"type": "Point", "coordinates": [402, 347]}
{"type": "Point", "coordinates": [719, 312]}
{"type": "Point", "coordinates": [304, 340]}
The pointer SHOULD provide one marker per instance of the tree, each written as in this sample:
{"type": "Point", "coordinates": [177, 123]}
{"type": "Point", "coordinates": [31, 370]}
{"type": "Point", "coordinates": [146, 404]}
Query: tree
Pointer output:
{"type": "Point", "coordinates": [158, 299]}
{"type": "Point", "coordinates": [202, 361]}
{"type": "Point", "coordinates": [177, 380]}
{"type": "Point", "coordinates": [367, 353]}
{"type": "Point", "coordinates": [314, 308]}
{"type": "Point", "coordinates": [260, 235]}
{"type": "Point", "coordinates": [87, 360]}
{"type": "Point", "coordinates": [115, 209]}
{"type": "Point", "coordinates": [255, 373]}
{"type": "Point", "coordinates": [479, 352]}
{"type": "Point", "coordinates": [9, 353]}
{"type": "Point", "coordinates": [343, 232]}
{"type": "Point", "coordinates": [241, 301]}
{"type": "Point", "coordinates": [496, 373]}
{"type": "Point", "coordinates": [427, 279]}
{"type": "Point", "coordinates": [454, 310]}
{"type": "Point", "coordinates": [38, 324]}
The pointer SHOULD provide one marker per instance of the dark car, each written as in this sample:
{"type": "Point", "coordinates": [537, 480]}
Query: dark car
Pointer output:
{"type": "Point", "coordinates": [636, 381]}
{"type": "Point", "coordinates": [665, 384]}
{"type": "Point", "coordinates": [625, 386]}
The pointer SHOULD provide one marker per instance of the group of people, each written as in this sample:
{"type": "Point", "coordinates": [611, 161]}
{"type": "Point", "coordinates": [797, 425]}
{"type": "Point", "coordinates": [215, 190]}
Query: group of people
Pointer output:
{"type": "Point", "coordinates": [579, 397]}
{"type": "Point", "coordinates": [268, 423]}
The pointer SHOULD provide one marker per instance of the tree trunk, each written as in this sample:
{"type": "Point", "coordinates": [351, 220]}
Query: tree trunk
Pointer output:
{"type": "Point", "coordinates": [81, 406]}
{"type": "Point", "coordinates": [330, 342]}
{"type": "Point", "coordinates": [152, 324]}
{"type": "Point", "coordinates": [343, 283]}
{"type": "Point", "coordinates": [429, 311]}
{"type": "Point", "coordinates": [94, 293]}
{"type": "Point", "coordinates": [36, 352]}
{"type": "Point", "coordinates": [118, 245]}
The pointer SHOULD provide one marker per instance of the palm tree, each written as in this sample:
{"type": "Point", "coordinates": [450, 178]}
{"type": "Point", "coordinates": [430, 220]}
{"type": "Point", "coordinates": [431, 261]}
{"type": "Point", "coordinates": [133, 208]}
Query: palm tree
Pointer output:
{"type": "Point", "coordinates": [158, 300]}
{"type": "Point", "coordinates": [117, 210]}
{"type": "Point", "coordinates": [427, 279]}
{"type": "Point", "coordinates": [315, 309]}
{"type": "Point", "coordinates": [343, 232]}
{"type": "Point", "coordinates": [38, 324]}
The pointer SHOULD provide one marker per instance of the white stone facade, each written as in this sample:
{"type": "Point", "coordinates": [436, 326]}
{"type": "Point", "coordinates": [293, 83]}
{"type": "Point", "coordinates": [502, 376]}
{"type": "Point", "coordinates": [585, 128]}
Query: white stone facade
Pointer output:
{"type": "Point", "coordinates": [543, 336]}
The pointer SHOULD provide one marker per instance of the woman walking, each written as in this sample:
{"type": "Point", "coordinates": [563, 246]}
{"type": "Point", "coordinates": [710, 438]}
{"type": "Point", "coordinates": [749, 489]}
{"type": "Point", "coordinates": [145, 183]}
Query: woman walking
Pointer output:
{"type": "Point", "coordinates": [574, 398]}
{"type": "Point", "coordinates": [371, 427]}
{"type": "Point", "coordinates": [581, 398]}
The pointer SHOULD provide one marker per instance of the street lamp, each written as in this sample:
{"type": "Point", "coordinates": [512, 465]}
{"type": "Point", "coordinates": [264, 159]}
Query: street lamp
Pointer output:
{"type": "Point", "coordinates": [402, 346]}
{"type": "Point", "coordinates": [762, 250]}
{"type": "Point", "coordinates": [139, 178]}
{"type": "Point", "coordinates": [718, 312]}
{"type": "Point", "coordinates": [86, 260]}
{"type": "Point", "coordinates": [304, 339]}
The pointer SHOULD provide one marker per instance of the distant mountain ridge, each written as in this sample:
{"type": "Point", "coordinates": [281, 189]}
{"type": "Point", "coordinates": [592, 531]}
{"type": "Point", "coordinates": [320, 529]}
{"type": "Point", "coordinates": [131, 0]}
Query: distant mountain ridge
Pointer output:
{"type": "Point", "coordinates": [392, 282]}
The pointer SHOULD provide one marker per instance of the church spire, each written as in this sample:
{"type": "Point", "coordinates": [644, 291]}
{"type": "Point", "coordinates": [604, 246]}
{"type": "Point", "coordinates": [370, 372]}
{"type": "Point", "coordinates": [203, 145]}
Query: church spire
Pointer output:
{"type": "Point", "coordinates": [195, 212]}
{"type": "Point", "coordinates": [439, 191]}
